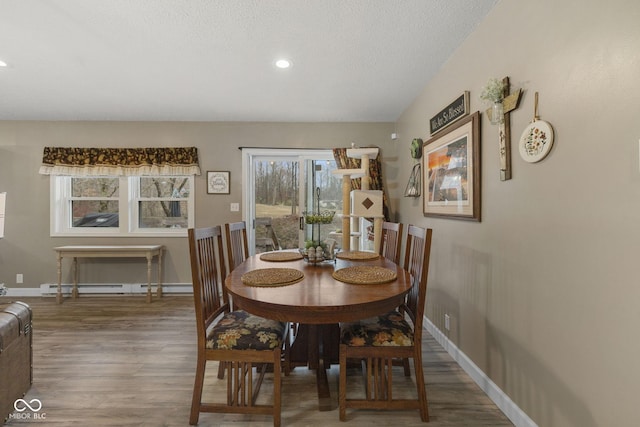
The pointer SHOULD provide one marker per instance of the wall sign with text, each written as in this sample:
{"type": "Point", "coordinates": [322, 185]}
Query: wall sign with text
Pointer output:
{"type": "Point", "coordinates": [451, 113]}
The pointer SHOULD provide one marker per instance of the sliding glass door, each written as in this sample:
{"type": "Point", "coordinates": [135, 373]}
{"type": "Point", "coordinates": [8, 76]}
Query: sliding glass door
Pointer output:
{"type": "Point", "coordinates": [279, 187]}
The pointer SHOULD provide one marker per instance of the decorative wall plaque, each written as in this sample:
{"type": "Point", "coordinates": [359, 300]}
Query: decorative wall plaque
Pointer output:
{"type": "Point", "coordinates": [452, 112]}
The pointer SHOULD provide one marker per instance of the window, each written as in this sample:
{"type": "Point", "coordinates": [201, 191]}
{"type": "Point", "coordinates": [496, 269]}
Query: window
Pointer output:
{"type": "Point", "coordinates": [121, 206]}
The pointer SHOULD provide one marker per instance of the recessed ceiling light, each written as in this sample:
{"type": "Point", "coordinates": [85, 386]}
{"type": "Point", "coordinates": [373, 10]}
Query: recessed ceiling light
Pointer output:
{"type": "Point", "coordinates": [283, 63]}
{"type": "Point", "coordinates": [2, 63]}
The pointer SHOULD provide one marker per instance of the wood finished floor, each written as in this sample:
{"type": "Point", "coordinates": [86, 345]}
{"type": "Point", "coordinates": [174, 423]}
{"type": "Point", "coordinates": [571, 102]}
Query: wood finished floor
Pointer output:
{"type": "Point", "coordinates": [118, 361]}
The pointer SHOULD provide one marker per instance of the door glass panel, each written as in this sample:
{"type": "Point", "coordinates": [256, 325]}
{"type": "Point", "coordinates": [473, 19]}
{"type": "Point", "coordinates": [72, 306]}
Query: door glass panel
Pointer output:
{"type": "Point", "coordinates": [284, 184]}
{"type": "Point", "coordinates": [323, 202]}
{"type": "Point", "coordinates": [276, 204]}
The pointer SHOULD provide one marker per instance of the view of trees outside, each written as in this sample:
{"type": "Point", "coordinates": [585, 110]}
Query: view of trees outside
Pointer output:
{"type": "Point", "coordinates": [276, 184]}
{"type": "Point", "coordinates": [162, 202]}
{"type": "Point", "coordinates": [163, 213]}
{"type": "Point", "coordinates": [276, 196]}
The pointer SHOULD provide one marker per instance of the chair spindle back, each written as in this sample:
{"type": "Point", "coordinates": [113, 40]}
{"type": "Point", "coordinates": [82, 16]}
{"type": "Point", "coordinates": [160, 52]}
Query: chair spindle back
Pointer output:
{"type": "Point", "coordinates": [206, 254]}
{"type": "Point", "coordinates": [237, 247]}
{"type": "Point", "coordinates": [416, 262]}
{"type": "Point", "coordinates": [391, 241]}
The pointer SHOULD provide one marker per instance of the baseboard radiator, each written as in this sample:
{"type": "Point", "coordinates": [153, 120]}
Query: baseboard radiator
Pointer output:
{"type": "Point", "coordinates": [50, 289]}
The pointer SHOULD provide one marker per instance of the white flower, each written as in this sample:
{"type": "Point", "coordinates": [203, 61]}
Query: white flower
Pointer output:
{"type": "Point", "coordinates": [493, 91]}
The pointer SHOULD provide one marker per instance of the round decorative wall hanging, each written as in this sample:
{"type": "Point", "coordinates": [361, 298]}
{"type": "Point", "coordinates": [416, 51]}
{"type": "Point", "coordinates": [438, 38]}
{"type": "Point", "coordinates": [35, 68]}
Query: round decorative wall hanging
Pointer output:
{"type": "Point", "coordinates": [537, 139]}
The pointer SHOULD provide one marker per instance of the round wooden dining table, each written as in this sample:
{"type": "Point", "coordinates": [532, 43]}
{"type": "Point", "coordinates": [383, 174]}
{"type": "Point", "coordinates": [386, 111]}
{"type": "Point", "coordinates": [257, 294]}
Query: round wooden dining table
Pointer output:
{"type": "Point", "coordinates": [317, 303]}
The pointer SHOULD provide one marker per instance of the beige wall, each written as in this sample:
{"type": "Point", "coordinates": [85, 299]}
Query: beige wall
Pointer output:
{"type": "Point", "coordinates": [27, 247]}
{"type": "Point", "coordinates": [544, 293]}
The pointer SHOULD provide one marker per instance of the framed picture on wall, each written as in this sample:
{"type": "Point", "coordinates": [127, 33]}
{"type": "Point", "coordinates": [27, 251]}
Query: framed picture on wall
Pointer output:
{"type": "Point", "coordinates": [218, 182]}
{"type": "Point", "coordinates": [451, 171]}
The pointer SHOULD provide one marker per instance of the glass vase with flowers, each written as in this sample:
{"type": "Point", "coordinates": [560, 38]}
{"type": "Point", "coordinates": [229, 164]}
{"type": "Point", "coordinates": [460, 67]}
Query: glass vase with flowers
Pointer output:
{"type": "Point", "coordinates": [493, 92]}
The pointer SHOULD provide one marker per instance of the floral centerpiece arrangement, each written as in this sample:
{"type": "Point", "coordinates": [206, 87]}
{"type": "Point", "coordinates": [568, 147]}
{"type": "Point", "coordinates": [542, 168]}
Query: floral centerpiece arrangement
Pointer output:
{"type": "Point", "coordinates": [493, 92]}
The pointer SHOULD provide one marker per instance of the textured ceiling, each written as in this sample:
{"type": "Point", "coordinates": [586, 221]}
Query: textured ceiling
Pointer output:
{"type": "Point", "coordinates": [212, 60]}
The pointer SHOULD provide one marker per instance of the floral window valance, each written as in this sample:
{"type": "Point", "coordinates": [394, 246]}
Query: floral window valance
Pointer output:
{"type": "Point", "coordinates": [120, 161]}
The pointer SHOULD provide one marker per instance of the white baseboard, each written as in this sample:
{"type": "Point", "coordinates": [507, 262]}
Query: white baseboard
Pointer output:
{"type": "Point", "coordinates": [517, 416]}
{"type": "Point", "coordinates": [50, 289]}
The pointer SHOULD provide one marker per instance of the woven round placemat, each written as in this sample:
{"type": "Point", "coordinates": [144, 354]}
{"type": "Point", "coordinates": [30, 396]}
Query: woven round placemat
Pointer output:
{"type": "Point", "coordinates": [272, 277]}
{"type": "Point", "coordinates": [365, 275]}
{"type": "Point", "coordinates": [357, 255]}
{"type": "Point", "coordinates": [280, 256]}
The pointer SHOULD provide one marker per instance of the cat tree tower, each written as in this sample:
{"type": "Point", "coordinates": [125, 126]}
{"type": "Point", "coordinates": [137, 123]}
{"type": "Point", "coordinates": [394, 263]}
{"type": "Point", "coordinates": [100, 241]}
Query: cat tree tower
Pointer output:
{"type": "Point", "coordinates": [360, 204]}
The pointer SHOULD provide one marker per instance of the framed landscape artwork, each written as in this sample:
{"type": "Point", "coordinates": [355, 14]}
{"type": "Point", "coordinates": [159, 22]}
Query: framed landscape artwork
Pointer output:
{"type": "Point", "coordinates": [451, 171]}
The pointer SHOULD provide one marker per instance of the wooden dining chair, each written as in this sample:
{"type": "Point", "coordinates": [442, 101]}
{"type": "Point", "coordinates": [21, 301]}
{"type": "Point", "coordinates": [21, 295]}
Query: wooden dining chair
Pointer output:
{"type": "Point", "coordinates": [239, 341]}
{"type": "Point", "coordinates": [237, 246]}
{"type": "Point", "coordinates": [378, 341]}
{"type": "Point", "coordinates": [390, 249]}
{"type": "Point", "coordinates": [391, 241]}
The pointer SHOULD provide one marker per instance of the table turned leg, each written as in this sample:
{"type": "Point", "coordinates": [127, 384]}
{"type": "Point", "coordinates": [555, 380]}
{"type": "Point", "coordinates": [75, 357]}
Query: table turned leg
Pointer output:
{"type": "Point", "coordinates": [149, 258]}
{"type": "Point", "coordinates": [74, 292]}
{"type": "Point", "coordinates": [59, 292]}
{"type": "Point", "coordinates": [160, 273]}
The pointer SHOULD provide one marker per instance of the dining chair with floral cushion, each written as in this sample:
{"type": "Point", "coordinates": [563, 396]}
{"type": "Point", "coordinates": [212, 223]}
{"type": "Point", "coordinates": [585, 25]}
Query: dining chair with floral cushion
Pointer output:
{"type": "Point", "coordinates": [239, 341]}
{"type": "Point", "coordinates": [391, 241]}
{"type": "Point", "coordinates": [237, 246]}
{"type": "Point", "coordinates": [379, 341]}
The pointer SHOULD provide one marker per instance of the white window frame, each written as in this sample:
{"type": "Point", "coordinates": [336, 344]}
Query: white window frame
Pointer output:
{"type": "Point", "coordinates": [129, 196]}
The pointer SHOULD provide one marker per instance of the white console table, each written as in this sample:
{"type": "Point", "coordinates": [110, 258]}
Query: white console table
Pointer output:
{"type": "Point", "coordinates": [101, 251]}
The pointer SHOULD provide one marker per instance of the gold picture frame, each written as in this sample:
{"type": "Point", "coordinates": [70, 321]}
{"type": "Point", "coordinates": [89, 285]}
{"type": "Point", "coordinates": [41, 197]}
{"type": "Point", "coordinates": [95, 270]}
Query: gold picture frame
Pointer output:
{"type": "Point", "coordinates": [451, 171]}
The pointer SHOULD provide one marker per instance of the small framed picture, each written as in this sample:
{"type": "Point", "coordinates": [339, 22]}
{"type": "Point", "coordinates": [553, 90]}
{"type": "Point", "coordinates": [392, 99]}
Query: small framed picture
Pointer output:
{"type": "Point", "coordinates": [218, 182]}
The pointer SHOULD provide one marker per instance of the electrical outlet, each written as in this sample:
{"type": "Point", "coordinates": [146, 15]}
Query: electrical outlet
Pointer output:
{"type": "Point", "coordinates": [447, 323]}
{"type": "Point", "coordinates": [19, 278]}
